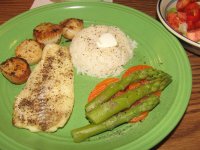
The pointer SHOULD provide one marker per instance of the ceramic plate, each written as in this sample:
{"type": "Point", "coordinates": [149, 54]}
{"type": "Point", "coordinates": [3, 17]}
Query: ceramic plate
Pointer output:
{"type": "Point", "coordinates": [156, 47]}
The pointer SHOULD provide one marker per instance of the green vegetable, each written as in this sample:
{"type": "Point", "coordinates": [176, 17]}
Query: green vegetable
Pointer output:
{"type": "Point", "coordinates": [83, 133]}
{"type": "Point", "coordinates": [172, 10]}
{"type": "Point", "coordinates": [115, 105]}
{"type": "Point", "coordinates": [147, 74]}
{"type": "Point", "coordinates": [183, 28]}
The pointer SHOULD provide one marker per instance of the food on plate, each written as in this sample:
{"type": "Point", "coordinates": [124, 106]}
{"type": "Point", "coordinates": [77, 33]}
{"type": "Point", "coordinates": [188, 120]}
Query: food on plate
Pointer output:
{"type": "Point", "coordinates": [133, 69]}
{"type": "Point", "coordinates": [30, 50]}
{"type": "Point", "coordinates": [185, 19]}
{"type": "Point", "coordinates": [140, 117]}
{"type": "Point", "coordinates": [148, 74]}
{"type": "Point", "coordinates": [87, 131]}
{"type": "Point", "coordinates": [124, 101]}
{"type": "Point", "coordinates": [130, 103]}
{"type": "Point", "coordinates": [47, 33]}
{"type": "Point", "coordinates": [16, 70]}
{"type": "Point", "coordinates": [101, 51]}
{"type": "Point", "coordinates": [46, 102]}
{"type": "Point", "coordinates": [70, 27]}
{"type": "Point", "coordinates": [100, 87]}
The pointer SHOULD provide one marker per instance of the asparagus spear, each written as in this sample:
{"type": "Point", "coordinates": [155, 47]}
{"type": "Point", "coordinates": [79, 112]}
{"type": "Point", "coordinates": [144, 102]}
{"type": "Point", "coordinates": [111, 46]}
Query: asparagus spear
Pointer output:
{"type": "Point", "coordinates": [83, 133]}
{"type": "Point", "coordinates": [115, 105]}
{"type": "Point", "coordinates": [148, 74]}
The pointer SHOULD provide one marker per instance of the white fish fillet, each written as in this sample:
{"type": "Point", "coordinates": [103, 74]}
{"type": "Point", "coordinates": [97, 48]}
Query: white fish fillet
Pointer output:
{"type": "Point", "coordinates": [46, 102]}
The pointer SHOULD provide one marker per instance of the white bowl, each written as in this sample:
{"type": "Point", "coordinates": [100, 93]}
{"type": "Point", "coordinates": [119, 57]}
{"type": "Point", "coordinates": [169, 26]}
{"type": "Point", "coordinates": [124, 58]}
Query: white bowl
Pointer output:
{"type": "Point", "coordinates": [162, 7]}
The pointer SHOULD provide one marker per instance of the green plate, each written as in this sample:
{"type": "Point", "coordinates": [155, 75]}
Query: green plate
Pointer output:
{"type": "Point", "coordinates": [156, 47]}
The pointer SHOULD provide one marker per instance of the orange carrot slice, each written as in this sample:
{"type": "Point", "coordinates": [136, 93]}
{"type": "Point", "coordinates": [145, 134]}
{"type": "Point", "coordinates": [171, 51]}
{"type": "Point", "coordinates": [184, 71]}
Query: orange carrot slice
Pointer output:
{"type": "Point", "coordinates": [137, 84]}
{"type": "Point", "coordinates": [103, 84]}
{"type": "Point", "coordinates": [134, 85]}
{"type": "Point", "coordinates": [141, 117]}
{"type": "Point", "coordinates": [100, 87]}
{"type": "Point", "coordinates": [107, 82]}
{"type": "Point", "coordinates": [135, 68]}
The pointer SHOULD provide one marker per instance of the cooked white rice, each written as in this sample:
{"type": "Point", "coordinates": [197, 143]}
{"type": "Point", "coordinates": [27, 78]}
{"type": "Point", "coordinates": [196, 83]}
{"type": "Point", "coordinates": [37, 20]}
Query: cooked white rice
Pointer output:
{"type": "Point", "coordinates": [100, 62]}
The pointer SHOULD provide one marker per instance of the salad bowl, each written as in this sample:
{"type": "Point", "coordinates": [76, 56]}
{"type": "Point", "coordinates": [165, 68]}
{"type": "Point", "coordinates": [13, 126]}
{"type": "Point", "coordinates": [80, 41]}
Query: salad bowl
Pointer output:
{"type": "Point", "coordinates": [163, 7]}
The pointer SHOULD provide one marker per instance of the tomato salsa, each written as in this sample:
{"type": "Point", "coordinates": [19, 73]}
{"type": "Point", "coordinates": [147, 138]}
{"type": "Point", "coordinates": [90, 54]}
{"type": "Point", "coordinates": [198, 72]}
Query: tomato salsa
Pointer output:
{"type": "Point", "coordinates": [185, 19]}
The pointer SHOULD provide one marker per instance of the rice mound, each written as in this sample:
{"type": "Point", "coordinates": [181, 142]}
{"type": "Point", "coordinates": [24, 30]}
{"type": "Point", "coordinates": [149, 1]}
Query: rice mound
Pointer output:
{"type": "Point", "coordinates": [89, 59]}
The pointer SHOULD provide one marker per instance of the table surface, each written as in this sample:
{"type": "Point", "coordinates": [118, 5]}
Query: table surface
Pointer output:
{"type": "Point", "coordinates": [187, 133]}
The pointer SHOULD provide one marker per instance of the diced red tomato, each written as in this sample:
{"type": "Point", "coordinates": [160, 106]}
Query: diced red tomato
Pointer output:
{"type": "Point", "coordinates": [190, 25]}
{"type": "Point", "coordinates": [197, 24]}
{"type": "Point", "coordinates": [175, 19]}
{"type": "Point", "coordinates": [182, 16]}
{"type": "Point", "coordinates": [188, 11]}
{"type": "Point", "coordinates": [192, 11]}
{"type": "Point", "coordinates": [194, 35]}
{"type": "Point", "coordinates": [181, 4]}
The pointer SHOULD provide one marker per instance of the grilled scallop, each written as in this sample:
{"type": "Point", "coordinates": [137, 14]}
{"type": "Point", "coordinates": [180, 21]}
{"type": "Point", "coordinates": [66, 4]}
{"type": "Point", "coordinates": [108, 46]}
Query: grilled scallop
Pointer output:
{"type": "Point", "coordinates": [16, 70]}
{"type": "Point", "coordinates": [71, 27]}
{"type": "Point", "coordinates": [30, 50]}
{"type": "Point", "coordinates": [47, 33]}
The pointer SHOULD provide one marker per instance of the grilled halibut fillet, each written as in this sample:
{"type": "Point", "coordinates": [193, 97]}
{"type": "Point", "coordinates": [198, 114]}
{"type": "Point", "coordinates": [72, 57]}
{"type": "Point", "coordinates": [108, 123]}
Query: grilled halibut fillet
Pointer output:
{"type": "Point", "coordinates": [46, 102]}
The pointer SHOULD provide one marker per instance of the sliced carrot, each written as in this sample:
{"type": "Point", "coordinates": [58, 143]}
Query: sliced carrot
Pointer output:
{"type": "Point", "coordinates": [103, 84]}
{"type": "Point", "coordinates": [135, 68]}
{"type": "Point", "coordinates": [141, 117]}
{"type": "Point", "coordinates": [107, 82]}
{"type": "Point", "coordinates": [100, 87]}
{"type": "Point", "coordinates": [134, 85]}
{"type": "Point", "coordinates": [158, 93]}
{"type": "Point", "coordinates": [119, 93]}
{"type": "Point", "coordinates": [137, 84]}
{"type": "Point", "coordinates": [95, 93]}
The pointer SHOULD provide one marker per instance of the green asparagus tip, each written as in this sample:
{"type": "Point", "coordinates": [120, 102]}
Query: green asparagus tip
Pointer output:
{"type": "Point", "coordinates": [166, 81]}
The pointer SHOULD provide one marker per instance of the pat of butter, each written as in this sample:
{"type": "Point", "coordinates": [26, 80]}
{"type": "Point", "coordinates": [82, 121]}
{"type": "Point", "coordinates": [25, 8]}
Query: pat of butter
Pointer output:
{"type": "Point", "coordinates": [106, 40]}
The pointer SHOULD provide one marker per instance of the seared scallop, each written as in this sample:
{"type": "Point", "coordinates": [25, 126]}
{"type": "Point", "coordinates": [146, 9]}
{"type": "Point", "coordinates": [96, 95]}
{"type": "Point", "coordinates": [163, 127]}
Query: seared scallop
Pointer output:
{"type": "Point", "coordinates": [30, 50]}
{"type": "Point", "coordinates": [47, 33]}
{"type": "Point", "coordinates": [16, 70]}
{"type": "Point", "coordinates": [71, 27]}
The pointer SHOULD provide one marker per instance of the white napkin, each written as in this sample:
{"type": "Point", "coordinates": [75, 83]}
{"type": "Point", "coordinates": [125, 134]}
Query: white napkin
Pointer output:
{"type": "Point", "coordinates": [38, 3]}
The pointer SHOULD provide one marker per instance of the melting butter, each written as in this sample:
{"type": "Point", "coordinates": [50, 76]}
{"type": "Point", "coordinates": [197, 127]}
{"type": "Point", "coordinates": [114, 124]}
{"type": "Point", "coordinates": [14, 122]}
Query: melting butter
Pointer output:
{"type": "Point", "coordinates": [106, 40]}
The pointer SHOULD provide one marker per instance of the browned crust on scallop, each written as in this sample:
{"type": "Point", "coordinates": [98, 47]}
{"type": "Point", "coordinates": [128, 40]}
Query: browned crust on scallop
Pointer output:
{"type": "Point", "coordinates": [40, 44]}
{"type": "Point", "coordinates": [72, 24]}
{"type": "Point", "coordinates": [16, 70]}
{"type": "Point", "coordinates": [46, 31]}
{"type": "Point", "coordinates": [30, 50]}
